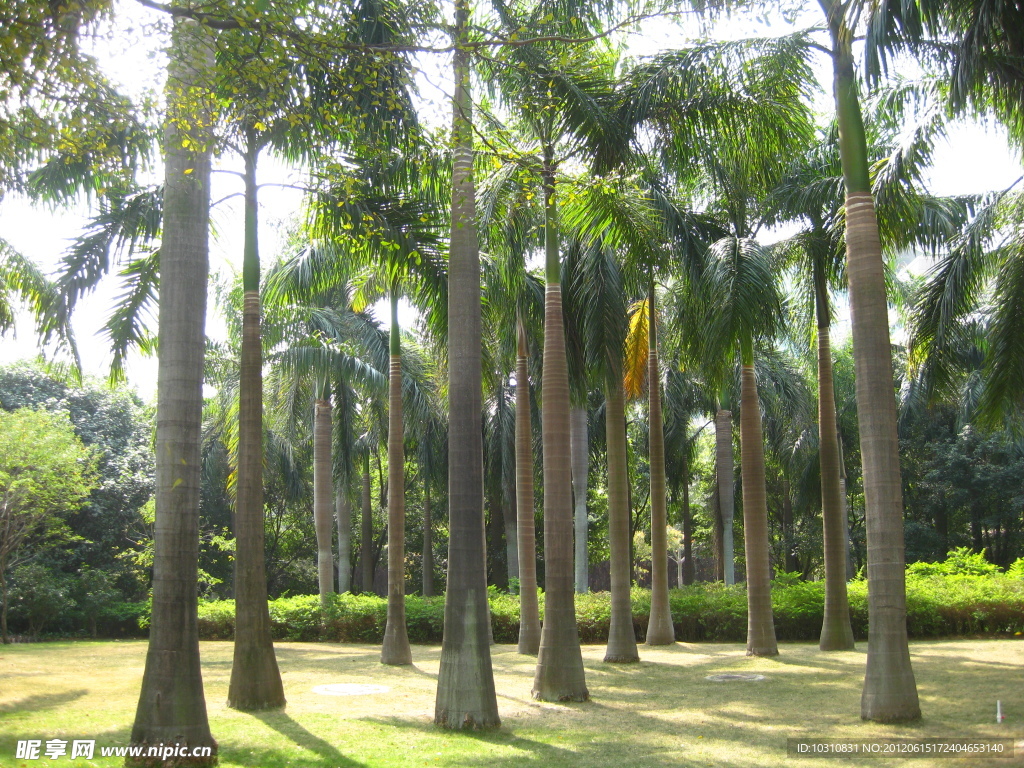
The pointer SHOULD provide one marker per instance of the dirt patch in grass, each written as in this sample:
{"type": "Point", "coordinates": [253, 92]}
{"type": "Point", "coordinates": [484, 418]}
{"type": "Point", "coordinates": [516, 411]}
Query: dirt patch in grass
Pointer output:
{"type": "Point", "coordinates": [659, 712]}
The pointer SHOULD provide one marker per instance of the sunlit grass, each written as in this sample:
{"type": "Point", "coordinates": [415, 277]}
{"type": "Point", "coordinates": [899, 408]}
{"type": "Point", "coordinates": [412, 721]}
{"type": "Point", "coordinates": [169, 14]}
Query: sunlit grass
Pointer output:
{"type": "Point", "coordinates": [660, 712]}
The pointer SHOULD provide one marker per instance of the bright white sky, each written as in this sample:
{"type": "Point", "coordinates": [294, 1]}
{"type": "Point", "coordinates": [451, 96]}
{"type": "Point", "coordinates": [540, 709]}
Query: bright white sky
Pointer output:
{"type": "Point", "coordinates": [975, 159]}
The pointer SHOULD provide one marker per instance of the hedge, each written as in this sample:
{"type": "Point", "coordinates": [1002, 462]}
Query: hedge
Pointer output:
{"type": "Point", "coordinates": [937, 606]}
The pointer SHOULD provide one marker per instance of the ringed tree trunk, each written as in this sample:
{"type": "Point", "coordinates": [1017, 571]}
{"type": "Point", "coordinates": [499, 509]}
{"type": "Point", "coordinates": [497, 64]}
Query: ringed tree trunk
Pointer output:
{"type": "Point", "coordinates": [660, 630]}
{"type": "Point", "coordinates": [255, 679]}
{"type": "Point", "coordinates": [323, 497]}
{"type": "Point", "coordinates": [465, 681]}
{"type": "Point", "coordinates": [836, 629]}
{"type": "Point", "coordinates": [716, 509]}
{"type": "Point", "coordinates": [580, 467]}
{"type": "Point", "coordinates": [890, 691]}
{"type": "Point", "coordinates": [428, 543]}
{"type": "Point", "coordinates": [560, 675]}
{"type": "Point", "coordinates": [621, 636]}
{"type": "Point", "coordinates": [760, 624]}
{"type": "Point", "coordinates": [172, 706]}
{"type": "Point", "coordinates": [343, 513]}
{"type": "Point", "coordinates": [724, 466]}
{"type": "Point", "coordinates": [508, 516]}
{"type": "Point", "coordinates": [366, 530]}
{"type": "Point", "coordinates": [688, 567]}
{"type": "Point", "coordinates": [396, 650]}
{"type": "Point", "coordinates": [529, 611]}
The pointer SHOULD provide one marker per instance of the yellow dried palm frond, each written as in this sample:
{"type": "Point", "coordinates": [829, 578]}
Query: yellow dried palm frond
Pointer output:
{"type": "Point", "coordinates": [634, 373]}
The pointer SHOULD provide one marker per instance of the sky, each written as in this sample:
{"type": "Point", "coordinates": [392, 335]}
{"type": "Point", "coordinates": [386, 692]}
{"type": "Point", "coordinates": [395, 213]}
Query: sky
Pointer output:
{"type": "Point", "coordinates": [974, 159]}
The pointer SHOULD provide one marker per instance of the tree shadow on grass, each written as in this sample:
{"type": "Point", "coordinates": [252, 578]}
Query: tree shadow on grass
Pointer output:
{"type": "Point", "coordinates": [41, 702]}
{"type": "Point", "coordinates": [602, 752]}
{"type": "Point", "coordinates": [543, 754]}
{"type": "Point", "coordinates": [290, 729]}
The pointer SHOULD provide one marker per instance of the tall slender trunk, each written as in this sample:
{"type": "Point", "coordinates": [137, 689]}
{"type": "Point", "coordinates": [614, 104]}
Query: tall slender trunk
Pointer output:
{"type": "Point", "coordinates": [508, 516]}
{"type": "Point", "coordinates": [366, 531]}
{"type": "Point", "coordinates": [395, 649]}
{"type": "Point", "coordinates": [580, 468]}
{"type": "Point", "coordinates": [760, 625]}
{"type": "Point", "coordinates": [688, 568]}
{"type": "Point", "coordinates": [560, 675]}
{"type": "Point", "coordinates": [621, 636]}
{"type": "Point", "coordinates": [718, 533]}
{"type": "Point", "coordinates": [323, 497]}
{"type": "Point", "coordinates": [343, 515]}
{"type": "Point", "coordinates": [465, 681]}
{"type": "Point", "coordinates": [660, 630]}
{"type": "Point", "coordinates": [428, 543]}
{"type": "Point", "coordinates": [172, 706]}
{"type": "Point", "coordinates": [724, 466]}
{"type": "Point", "coordinates": [529, 611]}
{"type": "Point", "coordinates": [890, 691]}
{"type": "Point", "coordinates": [836, 629]}
{"type": "Point", "coordinates": [255, 678]}
{"type": "Point", "coordinates": [789, 558]}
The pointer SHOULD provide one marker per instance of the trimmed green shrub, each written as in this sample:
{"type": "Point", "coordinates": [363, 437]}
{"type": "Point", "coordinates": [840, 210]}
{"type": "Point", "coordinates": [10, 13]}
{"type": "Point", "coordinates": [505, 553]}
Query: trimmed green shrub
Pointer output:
{"type": "Point", "coordinates": [960, 597]}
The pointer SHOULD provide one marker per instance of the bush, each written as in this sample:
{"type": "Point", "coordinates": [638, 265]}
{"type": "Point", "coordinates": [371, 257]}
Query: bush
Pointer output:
{"type": "Point", "coordinates": [937, 606]}
{"type": "Point", "coordinates": [38, 596]}
{"type": "Point", "coordinates": [965, 595]}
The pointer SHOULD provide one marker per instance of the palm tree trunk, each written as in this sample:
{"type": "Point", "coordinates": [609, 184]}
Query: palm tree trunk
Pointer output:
{"type": "Point", "coordinates": [621, 636]}
{"type": "Point", "coordinates": [580, 468]}
{"type": "Point", "coordinates": [688, 568]}
{"type": "Point", "coordinates": [172, 706]}
{"type": "Point", "coordinates": [508, 516]}
{"type": "Point", "coordinates": [660, 630]}
{"type": "Point", "coordinates": [724, 466]}
{"type": "Point", "coordinates": [789, 559]}
{"type": "Point", "coordinates": [560, 675]}
{"type": "Point", "coordinates": [255, 679]}
{"type": "Point", "coordinates": [366, 530]}
{"type": "Point", "coordinates": [890, 691]}
{"type": "Point", "coordinates": [836, 629]}
{"type": "Point", "coordinates": [428, 543]}
{"type": "Point", "coordinates": [323, 497]}
{"type": "Point", "coordinates": [760, 626]}
{"type": "Point", "coordinates": [718, 533]}
{"type": "Point", "coordinates": [395, 649]}
{"type": "Point", "coordinates": [343, 513]}
{"type": "Point", "coordinates": [465, 682]}
{"type": "Point", "coordinates": [529, 611]}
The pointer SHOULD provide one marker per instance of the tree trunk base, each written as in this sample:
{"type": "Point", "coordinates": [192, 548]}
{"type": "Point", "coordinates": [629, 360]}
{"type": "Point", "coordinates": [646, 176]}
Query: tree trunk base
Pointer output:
{"type": "Point", "coordinates": [624, 659]}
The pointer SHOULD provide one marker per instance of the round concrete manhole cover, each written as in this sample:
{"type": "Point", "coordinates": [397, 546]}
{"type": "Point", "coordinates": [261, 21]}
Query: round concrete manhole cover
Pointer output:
{"type": "Point", "coordinates": [349, 689]}
{"type": "Point", "coordinates": [734, 677]}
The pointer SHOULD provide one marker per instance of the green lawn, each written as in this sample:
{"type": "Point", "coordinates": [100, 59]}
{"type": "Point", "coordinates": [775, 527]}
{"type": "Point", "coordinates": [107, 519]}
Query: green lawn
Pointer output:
{"type": "Point", "coordinates": [660, 712]}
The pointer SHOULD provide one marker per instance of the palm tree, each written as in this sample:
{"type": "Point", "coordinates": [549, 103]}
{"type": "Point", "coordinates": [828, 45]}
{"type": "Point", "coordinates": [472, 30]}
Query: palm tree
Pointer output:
{"type": "Point", "coordinates": [465, 682]}
{"type": "Point", "coordinates": [660, 630]}
{"type": "Point", "coordinates": [255, 679]}
{"type": "Point", "coordinates": [596, 296]}
{"type": "Point", "coordinates": [890, 692]}
{"type": "Point", "coordinates": [395, 649]}
{"type": "Point", "coordinates": [22, 281]}
{"type": "Point", "coordinates": [529, 610]}
{"type": "Point", "coordinates": [578, 448]}
{"type": "Point", "coordinates": [172, 707]}
{"type": "Point", "coordinates": [555, 97]}
{"type": "Point", "coordinates": [344, 470]}
{"type": "Point", "coordinates": [738, 305]}
{"type": "Point", "coordinates": [908, 218]}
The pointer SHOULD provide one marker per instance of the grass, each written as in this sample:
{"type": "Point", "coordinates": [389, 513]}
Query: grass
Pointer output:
{"type": "Point", "coordinates": [660, 712]}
